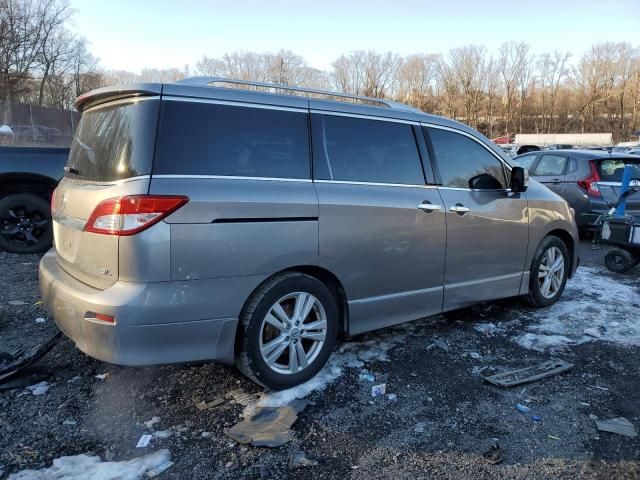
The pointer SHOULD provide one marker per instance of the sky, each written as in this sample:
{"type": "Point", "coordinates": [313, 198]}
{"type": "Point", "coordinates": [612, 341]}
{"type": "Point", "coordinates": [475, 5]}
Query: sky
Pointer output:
{"type": "Point", "coordinates": [135, 34]}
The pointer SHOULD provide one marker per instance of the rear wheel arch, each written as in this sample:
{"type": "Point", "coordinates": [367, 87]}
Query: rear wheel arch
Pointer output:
{"type": "Point", "coordinates": [41, 185]}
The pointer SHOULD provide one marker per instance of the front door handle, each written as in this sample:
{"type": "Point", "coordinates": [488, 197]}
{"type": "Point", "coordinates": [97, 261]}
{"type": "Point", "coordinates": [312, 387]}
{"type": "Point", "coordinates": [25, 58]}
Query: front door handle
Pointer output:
{"type": "Point", "coordinates": [429, 207]}
{"type": "Point", "coordinates": [459, 209]}
{"type": "Point", "coordinates": [556, 181]}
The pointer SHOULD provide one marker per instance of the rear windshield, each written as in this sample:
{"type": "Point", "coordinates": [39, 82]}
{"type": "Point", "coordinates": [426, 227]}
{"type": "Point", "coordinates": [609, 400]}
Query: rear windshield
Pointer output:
{"type": "Point", "coordinates": [114, 142]}
{"type": "Point", "coordinates": [611, 169]}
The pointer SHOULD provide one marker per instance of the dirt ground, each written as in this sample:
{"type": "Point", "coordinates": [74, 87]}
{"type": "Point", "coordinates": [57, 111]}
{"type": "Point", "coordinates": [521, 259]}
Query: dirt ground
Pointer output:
{"type": "Point", "coordinates": [441, 420]}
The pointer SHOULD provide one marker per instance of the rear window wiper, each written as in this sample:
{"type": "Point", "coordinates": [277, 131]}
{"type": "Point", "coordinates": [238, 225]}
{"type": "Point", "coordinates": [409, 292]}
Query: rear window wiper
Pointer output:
{"type": "Point", "coordinates": [72, 170]}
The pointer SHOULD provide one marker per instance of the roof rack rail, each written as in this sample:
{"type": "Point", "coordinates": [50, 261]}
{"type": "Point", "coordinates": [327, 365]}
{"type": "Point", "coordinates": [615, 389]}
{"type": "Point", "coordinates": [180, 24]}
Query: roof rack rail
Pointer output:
{"type": "Point", "coordinates": [208, 81]}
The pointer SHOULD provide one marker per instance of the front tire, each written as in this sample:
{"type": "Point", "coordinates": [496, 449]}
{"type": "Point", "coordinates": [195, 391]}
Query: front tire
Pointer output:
{"type": "Point", "coordinates": [25, 223]}
{"type": "Point", "coordinates": [288, 330]}
{"type": "Point", "coordinates": [549, 272]}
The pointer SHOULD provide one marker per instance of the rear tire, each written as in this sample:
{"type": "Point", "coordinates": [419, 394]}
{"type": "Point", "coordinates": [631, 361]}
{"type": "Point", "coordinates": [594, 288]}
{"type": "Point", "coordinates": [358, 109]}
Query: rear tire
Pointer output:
{"type": "Point", "coordinates": [619, 261]}
{"type": "Point", "coordinates": [549, 273]}
{"type": "Point", "coordinates": [279, 346]}
{"type": "Point", "coordinates": [25, 223]}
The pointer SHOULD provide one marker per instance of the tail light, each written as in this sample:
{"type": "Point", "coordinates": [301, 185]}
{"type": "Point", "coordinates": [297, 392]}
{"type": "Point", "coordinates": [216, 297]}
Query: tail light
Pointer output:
{"type": "Point", "coordinates": [590, 183]}
{"type": "Point", "coordinates": [131, 214]}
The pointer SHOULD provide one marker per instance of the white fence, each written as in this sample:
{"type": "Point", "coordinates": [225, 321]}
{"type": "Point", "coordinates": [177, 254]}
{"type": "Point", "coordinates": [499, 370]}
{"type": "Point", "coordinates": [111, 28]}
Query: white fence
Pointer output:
{"type": "Point", "coordinates": [600, 139]}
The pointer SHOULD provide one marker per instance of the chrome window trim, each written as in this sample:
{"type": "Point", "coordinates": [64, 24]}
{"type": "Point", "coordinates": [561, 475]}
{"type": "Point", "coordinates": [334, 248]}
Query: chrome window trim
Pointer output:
{"type": "Point", "coordinates": [112, 183]}
{"type": "Point", "coordinates": [393, 296]}
{"type": "Point", "coordinates": [234, 177]}
{"type": "Point", "coordinates": [68, 221]}
{"type": "Point", "coordinates": [375, 184]}
{"type": "Point", "coordinates": [364, 117]}
{"type": "Point", "coordinates": [231, 103]}
{"type": "Point", "coordinates": [483, 280]}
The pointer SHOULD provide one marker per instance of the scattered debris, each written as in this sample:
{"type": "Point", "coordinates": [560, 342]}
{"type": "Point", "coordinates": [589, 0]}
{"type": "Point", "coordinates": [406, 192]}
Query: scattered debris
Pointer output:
{"type": "Point", "coordinates": [553, 437]}
{"type": "Point", "coordinates": [163, 433]}
{"type": "Point", "coordinates": [379, 390]}
{"type": "Point", "coordinates": [204, 405]}
{"type": "Point", "coordinates": [154, 472]}
{"type": "Point", "coordinates": [585, 404]}
{"type": "Point", "coordinates": [10, 364]}
{"type": "Point", "coordinates": [150, 423]}
{"type": "Point", "coordinates": [618, 425]}
{"type": "Point", "coordinates": [477, 370]}
{"type": "Point", "coordinates": [494, 455]}
{"type": "Point", "coordinates": [392, 397]}
{"type": "Point", "coordinates": [441, 344]}
{"type": "Point", "coordinates": [269, 426]}
{"type": "Point", "coordinates": [475, 355]}
{"type": "Point", "coordinates": [366, 376]}
{"type": "Point", "coordinates": [593, 417]}
{"type": "Point", "coordinates": [522, 408]}
{"type": "Point", "coordinates": [103, 376]}
{"type": "Point", "coordinates": [206, 434]}
{"type": "Point", "coordinates": [299, 460]}
{"type": "Point", "coordinates": [74, 379]}
{"type": "Point", "coordinates": [598, 387]}
{"type": "Point", "coordinates": [536, 418]}
{"type": "Point", "coordinates": [16, 303]}
{"type": "Point", "coordinates": [69, 422]}
{"type": "Point", "coordinates": [259, 471]}
{"type": "Point", "coordinates": [39, 388]}
{"type": "Point", "coordinates": [40, 320]}
{"type": "Point", "coordinates": [530, 374]}
{"type": "Point", "coordinates": [144, 441]}
{"type": "Point", "coordinates": [420, 427]}
{"type": "Point", "coordinates": [86, 466]}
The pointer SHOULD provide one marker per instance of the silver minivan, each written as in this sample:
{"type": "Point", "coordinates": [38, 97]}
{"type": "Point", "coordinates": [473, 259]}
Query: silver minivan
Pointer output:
{"type": "Point", "coordinates": [213, 220]}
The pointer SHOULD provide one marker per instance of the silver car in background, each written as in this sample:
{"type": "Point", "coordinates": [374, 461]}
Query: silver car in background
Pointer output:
{"type": "Point", "coordinates": [202, 222]}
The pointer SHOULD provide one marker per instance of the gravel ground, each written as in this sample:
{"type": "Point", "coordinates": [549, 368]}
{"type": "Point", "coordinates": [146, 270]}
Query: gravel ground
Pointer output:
{"type": "Point", "coordinates": [442, 420]}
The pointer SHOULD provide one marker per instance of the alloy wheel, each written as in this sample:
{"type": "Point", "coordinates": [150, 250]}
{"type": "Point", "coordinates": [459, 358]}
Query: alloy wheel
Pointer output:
{"type": "Point", "coordinates": [551, 272]}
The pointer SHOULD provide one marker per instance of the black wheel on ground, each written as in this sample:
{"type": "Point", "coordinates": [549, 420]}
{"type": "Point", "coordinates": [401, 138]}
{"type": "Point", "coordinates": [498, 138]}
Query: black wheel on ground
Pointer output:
{"type": "Point", "coordinates": [25, 223]}
{"type": "Point", "coordinates": [619, 261]}
{"type": "Point", "coordinates": [549, 272]}
{"type": "Point", "coordinates": [288, 329]}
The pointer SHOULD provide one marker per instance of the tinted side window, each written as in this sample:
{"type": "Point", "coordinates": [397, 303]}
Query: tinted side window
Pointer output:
{"type": "Point", "coordinates": [551, 165]}
{"type": "Point", "coordinates": [362, 150]}
{"type": "Point", "coordinates": [463, 163]}
{"type": "Point", "coordinates": [211, 139]}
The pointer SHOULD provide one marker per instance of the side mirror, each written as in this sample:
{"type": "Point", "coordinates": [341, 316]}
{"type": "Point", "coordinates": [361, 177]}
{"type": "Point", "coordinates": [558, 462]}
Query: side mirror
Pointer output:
{"type": "Point", "coordinates": [519, 179]}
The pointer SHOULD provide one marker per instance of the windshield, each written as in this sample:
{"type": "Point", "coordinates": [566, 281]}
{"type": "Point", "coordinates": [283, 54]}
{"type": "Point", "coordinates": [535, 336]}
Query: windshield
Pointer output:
{"type": "Point", "coordinates": [114, 142]}
{"type": "Point", "coordinates": [611, 170]}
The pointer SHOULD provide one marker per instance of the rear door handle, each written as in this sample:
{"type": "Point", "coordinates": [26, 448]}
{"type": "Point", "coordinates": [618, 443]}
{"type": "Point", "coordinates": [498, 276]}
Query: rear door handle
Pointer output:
{"type": "Point", "coordinates": [429, 207]}
{"type": "Point", "coordinates": [556, 181]}
{"type": "Point", "coordinates": [459, 209]}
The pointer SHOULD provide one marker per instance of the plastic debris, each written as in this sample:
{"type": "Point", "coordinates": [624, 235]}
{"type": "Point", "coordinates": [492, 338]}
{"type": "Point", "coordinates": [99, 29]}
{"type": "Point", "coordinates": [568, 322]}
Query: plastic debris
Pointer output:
{"type": "Point", "coordinates": [154, 472]}
{"type": "Point", "coordinates": [618, 425]}
{"type": "Point", "coordinates": [366, 376]}
{"type": "Point", "coordinates": [379, 390]}
{"type": "Point", "coordinates": [530, 374]}
{"type": "Point", "coordinates": [102, 376]}
{"type": "Point", "coordinates": [40, 320]}
{"type": "Point", "coordinates": [441, 344]}
{"type": "Point", "coordinates": [39, 388]}
{"type": "Point", "coordinates": [536, 418]}
{"type": "Point", "coordinates": [494, 455]}
{"type": "Point", "coordinates": [553, 437]}
{"type": "Point", "coordinates": [522, 408]}
{"type": "Point", "coordinates": [163, 433]}
{"type": "Point", "coordinates": [16, 303]}
{"type": "Point", "coordinates": [475, 355]}
{"type": "Point", "coordinates": [392, 397]}
{"type": "Point", "coordinates": [299, 460]}
{"type": "Point", "coordinates": [204, 405]}
{"type": "Point", "coordinates": [69, 422]}
{"type": "Point", "coordinates": [269, 426]}
{"type": "Point", "coordinates": [144, 441]}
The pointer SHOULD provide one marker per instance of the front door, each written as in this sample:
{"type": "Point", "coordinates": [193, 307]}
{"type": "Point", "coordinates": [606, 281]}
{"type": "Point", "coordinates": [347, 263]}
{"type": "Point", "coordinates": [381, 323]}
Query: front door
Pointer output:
{"type": "Point", "coordinates": [381, 228]}
{"type": "Point", "coordinates": [487, 224]}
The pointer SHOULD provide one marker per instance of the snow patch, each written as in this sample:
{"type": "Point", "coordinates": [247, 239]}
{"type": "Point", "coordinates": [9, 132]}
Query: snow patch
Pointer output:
{"type": "Point", "coordinates": [39, 388]}
{"type": "Point", "coordinates": [374, 347]}
{"type": "Point", "coordinates": [594, 306]}
{"type": "Point", "coordinates": [86, 467]}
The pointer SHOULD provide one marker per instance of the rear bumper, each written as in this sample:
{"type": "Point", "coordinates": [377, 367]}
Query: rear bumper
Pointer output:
{"type": "Point", "coordinates": [155, 322]}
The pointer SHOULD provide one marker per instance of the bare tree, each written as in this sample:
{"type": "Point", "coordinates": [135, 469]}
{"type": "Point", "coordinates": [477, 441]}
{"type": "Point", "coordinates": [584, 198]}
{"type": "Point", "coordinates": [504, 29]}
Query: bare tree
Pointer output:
{"type": "Point", "coordinates": [467, 66]}
{"type": "Point", "coordinates": [415, 78]}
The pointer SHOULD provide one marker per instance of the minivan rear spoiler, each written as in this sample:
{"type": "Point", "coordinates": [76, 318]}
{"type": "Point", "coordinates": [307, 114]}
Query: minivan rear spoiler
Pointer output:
{"type": "Point", "coordinates": [106, 94]}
